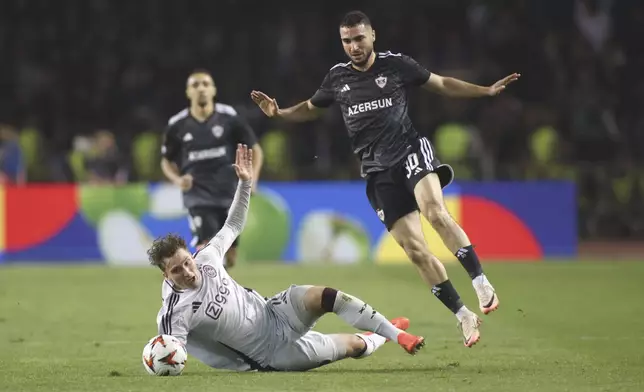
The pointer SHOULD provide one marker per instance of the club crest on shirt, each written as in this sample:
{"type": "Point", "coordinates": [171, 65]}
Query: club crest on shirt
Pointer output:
{"type": "Point", "coordinates": [209, 271]}
{"type": "Point", "coordinates": [217, 130]}
{"type": "Point", "coordinates": [381, 81]}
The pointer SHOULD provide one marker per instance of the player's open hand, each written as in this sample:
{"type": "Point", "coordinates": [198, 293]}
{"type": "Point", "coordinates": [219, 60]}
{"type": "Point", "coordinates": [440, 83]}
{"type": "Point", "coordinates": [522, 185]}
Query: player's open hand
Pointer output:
{"type": "Point", "coordinates": [266, 103]}
{"type": "Point", "coordinates": [244, 162]}
{"type": "Point", "coordinates": [499, 86]}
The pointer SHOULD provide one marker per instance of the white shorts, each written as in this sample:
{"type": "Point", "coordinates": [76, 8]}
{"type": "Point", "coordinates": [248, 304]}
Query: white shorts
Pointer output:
{"type": "Point", "coordinates": [298, 348]}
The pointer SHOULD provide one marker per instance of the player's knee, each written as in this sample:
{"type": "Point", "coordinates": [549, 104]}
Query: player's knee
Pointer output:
{"type": "Point", "coordinates": [355, 346]}
{"type": "Point", "coordinates": [319, 299]}
{"type": "Point", "coordinates": [415, 249]}
{"type": "Point", "coordinates": [436, 214]}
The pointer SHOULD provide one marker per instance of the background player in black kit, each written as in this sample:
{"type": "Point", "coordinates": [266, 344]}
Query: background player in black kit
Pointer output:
{"type": "Point", "coordinates": [198, 153]}
{"type": "Point", "coordinates": [402, 172]}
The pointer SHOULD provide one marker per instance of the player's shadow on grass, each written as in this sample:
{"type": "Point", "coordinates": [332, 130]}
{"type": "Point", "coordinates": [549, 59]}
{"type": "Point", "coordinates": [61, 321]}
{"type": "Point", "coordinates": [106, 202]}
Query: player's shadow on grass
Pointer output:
{"type": "Point", "coordinates": [331, 371]}
{"type": "Point", "coordinates": [420, 369]}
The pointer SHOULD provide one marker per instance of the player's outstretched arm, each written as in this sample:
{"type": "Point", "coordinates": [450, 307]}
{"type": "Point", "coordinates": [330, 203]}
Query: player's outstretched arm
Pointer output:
{"type": "Point", "coordinates": [303, 111]}
{"type": "Point", "coordinates": [456, 88]}
{"type": "Point", "coordinates": [239, 209]}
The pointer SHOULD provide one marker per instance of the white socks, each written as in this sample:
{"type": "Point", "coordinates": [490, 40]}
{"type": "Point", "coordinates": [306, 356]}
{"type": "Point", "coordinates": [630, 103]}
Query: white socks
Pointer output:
{"type": "Point", "coordinates": [462, 312]}
{"type": "Point", "coordinates": [373, 342]}
{"type": "Point", "coordinates": [480, 280]}
{"type": "Point", "coordinates": [362, 316]}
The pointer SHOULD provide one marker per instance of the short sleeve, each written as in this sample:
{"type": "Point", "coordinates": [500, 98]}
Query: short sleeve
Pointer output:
{"type": "Point", "coordinates": [244, 132]}
{"type": "Point", "coordinates": [413, 74]}
{"type": "Point", "coordinates": [171, 147]}
{"type": "Point", "coordinates": [325, 96]}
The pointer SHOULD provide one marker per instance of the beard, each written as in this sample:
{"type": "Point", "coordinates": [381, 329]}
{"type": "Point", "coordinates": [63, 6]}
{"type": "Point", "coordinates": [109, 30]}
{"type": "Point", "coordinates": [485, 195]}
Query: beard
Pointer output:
{"type": "Point", "coordinates": [202, 102]}
{"type": "Point", "coordinates": [367, 56]}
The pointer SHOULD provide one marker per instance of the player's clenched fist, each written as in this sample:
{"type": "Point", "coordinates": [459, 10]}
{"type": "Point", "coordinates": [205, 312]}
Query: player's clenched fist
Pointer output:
{"type": "Point", "coordinates": [184, 182]}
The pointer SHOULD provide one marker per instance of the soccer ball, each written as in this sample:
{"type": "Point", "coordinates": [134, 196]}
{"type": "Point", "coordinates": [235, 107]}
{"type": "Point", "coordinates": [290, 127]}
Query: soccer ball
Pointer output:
{"type": "Point", "coordinates": [164, 355]}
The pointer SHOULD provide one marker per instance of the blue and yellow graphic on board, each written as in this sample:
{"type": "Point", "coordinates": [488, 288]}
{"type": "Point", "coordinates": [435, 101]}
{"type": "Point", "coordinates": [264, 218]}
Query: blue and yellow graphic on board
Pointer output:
{"type": "Point", "coordinates": [304, 222]}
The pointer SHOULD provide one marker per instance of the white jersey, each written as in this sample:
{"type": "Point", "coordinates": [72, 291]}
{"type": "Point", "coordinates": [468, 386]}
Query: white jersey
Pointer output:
{"type": "Point", "coordinates": [221, 323]}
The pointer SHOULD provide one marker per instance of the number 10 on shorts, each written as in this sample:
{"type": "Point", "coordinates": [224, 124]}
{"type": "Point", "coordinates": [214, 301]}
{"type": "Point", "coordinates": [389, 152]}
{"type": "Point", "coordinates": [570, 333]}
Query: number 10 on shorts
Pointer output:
{"type": "Point", "coordinates": [412, 165]}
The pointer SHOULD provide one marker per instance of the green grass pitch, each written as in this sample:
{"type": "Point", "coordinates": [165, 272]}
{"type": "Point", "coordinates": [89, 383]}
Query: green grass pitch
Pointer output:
{"type": "Point", "coordinates": [561, 326]}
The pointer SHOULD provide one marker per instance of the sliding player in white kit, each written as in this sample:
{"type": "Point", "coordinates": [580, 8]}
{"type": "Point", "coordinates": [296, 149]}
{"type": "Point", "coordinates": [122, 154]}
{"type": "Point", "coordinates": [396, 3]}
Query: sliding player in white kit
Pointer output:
{"type": "Point", "coordinates": [227, 326]}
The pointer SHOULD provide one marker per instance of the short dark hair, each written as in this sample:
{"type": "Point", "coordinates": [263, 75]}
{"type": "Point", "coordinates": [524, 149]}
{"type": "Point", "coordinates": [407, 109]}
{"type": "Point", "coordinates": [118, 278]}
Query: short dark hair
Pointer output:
{"type": "Point", "coordinates": [163, 248]}
{"type": "Point", "coordinates": [355, 18]}
{"type": "Point", "coordinates": [200, 71]}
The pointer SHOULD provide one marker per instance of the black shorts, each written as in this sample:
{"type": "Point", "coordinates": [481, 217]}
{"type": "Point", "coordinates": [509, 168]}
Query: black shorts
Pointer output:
{"type": "Point", "coordinates": [391, 192]}
{"type": "Point", "coordinates": [205, 223]}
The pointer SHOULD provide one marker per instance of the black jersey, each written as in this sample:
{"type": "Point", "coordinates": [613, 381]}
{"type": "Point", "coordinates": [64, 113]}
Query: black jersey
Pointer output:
{"type": "Point", "coordinates": [374, 107]}
{"type": "Point", "coordinates": [206, 150]}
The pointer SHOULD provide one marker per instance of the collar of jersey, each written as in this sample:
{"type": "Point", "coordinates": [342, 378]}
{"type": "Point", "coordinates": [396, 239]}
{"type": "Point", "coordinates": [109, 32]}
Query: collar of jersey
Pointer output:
{"type": "Point", "coordinates": [176, 290]}
{"type": "Point", "coordinates": [365, 71]}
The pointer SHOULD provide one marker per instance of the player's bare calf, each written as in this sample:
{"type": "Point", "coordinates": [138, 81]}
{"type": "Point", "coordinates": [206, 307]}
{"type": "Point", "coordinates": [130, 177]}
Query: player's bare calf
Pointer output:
{"type": "Point", "coordinates": [407, 231]}
{"type": "Point", "coordinates": [429, 195]}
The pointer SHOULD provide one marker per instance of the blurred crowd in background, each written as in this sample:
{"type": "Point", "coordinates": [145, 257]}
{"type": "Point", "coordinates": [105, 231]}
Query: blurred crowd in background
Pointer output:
{"type": "Point", "coordinates": [88, 87]}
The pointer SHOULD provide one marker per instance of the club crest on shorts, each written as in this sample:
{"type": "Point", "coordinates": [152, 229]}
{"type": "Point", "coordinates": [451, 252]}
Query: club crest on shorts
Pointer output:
{"type": "Point", "coordinates": [381, 214]}
{"type": "Point", "coordinates": [217, 130]}
{"type": "Point", "coordinates": [381, 81]}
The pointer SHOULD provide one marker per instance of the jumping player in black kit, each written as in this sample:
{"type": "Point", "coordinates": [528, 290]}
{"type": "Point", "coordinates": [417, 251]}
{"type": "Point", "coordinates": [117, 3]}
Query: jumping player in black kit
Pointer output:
{"type": "Point", "coordinates": [402, 171]}
{"type": "Point", "coordinates": [198, 155]}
